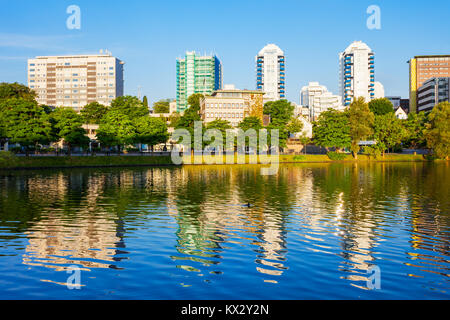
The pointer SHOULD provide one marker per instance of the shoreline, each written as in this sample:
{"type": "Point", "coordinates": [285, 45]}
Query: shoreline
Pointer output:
{"type": "Point", "coordinates": [48, 162]}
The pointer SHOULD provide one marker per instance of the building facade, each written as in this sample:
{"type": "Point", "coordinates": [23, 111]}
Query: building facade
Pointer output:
{"type": "Point", "coordinates": [271, 72]}
{"type": "Point", "coordinates": [431, 93]}
{"type": "Point", "coordinates": [74, 81]}
{"type": "Point", "coordinates": [379, 90]}
{"type": "Point", "coordinates": [318, 99]}
{"type": "Point", "coordinates": [395, 101]}
{"type": "Point", "coordinates": [401, 114]}
{"type": "Point", "coordinates": [423, 68]}
{"type": "Point", "coordinates": [233, 105]}
{"type": "Point", "coordinates": [357, 73]}
{"type": "Point", "coordinates": [197, 74]}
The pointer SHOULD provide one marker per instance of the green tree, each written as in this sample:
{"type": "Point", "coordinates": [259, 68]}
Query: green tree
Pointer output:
{"type": "Point", "coordinates": [68, 125]}
{"type": "Point", "coordinates": [151, 131]}
{"type": "Point", "coordinates": [361, 121]}
{"type": "Point", "coordinates": [437, 131]}
{"type": "Point", "coordinates": [251, 123]}
{"type": "Point", "coordinates": [381, 106]}
{"type": "Point", "coordinates": [304, 140]}
{"type": "Point", "coordinates": [145, 102]}
{"type": "Point", "coordinates": [93, 113]}
{"type": "Point", "coordinates": [162, 106]}
{"type": "Point", "coordinates": [25, 123]}
{"type": "Point", "coordinates": [129, 106]}
{"type": "Point", "coordinates": [295, 126]}
{"type": "Point", "coordinates": [194, 101]}
{"type": "Point", "coordinates": [415, 126]}
{"type": "Point", "coordinates": [332, 130]}
{"type": "Point", "coordinates": [280, 112]}
{"type": "Point", "coordinates": [187, 121]}
{"type": "Point", "coordinates": [16, 90]}
{"type": "Point", "coordinates": [388, 131]}
{"type": "Point", "coordinates": [116, 129]}
{"type": "Point", "coordinates": [222, 126]}
{"type": "Point", "coordinates": [173, 119]}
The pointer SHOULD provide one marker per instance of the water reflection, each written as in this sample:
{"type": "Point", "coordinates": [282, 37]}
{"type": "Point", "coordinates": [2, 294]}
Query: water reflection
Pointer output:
{"type": "Point", "coordinates": [336, 220]}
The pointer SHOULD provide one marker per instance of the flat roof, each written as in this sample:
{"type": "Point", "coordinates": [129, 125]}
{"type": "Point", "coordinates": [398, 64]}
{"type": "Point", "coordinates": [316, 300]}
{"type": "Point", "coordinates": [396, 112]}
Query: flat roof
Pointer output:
{"type": "Point", "coordinates": [434, 56]}
{"type": "Point", "coordinates": [76, 56]}
{"type": "Point", "coordinates": [238, 91]}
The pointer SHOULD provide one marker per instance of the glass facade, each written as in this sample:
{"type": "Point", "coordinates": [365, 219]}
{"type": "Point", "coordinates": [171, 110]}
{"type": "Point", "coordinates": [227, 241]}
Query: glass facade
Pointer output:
{"type": "Point", "coordinates": [197, 74]}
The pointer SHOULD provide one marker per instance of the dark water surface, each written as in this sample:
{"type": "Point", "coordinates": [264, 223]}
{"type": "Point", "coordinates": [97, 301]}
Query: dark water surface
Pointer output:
{"type": "Point", "coordinates": [311, 232]}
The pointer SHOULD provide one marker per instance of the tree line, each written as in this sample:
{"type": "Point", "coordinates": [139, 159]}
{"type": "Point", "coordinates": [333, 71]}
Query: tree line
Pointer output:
{"type": "Point", "coordinates": [377, 121]}
{"type": "Point", "coordinates": [127, 121]}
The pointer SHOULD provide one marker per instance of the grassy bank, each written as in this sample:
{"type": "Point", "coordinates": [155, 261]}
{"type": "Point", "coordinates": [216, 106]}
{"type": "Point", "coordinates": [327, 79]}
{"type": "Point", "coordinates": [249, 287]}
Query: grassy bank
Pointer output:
{"type": "Point", "coordinates": [79, 162]}
{"type": "Point", "coordinates": [9, 161]}
{"type": "Point", "coordinates": [304, 159]}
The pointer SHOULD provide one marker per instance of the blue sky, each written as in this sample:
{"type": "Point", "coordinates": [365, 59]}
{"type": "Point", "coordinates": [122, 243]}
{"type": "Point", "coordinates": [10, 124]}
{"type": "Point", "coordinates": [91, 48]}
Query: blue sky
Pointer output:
{"type": "Point", "coordinates": [150, 35]}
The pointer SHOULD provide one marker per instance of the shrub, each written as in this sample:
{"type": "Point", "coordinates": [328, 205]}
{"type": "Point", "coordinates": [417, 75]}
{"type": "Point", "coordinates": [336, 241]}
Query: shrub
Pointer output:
{"type": "Point", "coordinates": [132, 150]}
{"type": "Point", "coordinates": [373, 151]}
{"type": "Point", "coordinates": [430, 157]}
{"type": "Point", "coordinates": [6, 156]}
{"type": "Point", "coordinates": [299, 158]}
{"type": "Point", "coordinates": [15, 149]}
{"type": "Point", "coordinates": [337, 156]}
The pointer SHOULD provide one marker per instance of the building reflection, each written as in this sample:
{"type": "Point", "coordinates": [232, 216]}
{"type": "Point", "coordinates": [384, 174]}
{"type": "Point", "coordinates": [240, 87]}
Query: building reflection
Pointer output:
{"type": "Point", "coordinates": [75, 229]}
{"type": "Point", "coordinates": [218, 213]}
{"type": "Point", "coordinates": [82, 217]}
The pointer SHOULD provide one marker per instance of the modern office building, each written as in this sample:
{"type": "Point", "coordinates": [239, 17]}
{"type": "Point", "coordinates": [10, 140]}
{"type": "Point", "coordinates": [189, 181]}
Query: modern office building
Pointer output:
{"type": "Point", "coordinates": [395, 101]}
{"type": "Point", "coordinates": [423, 68]}
{"type": "Point", "coordinates": [431, 93]}
{"type": "Point", "coordinates": [318, 99]}
{"type": "Point", "coordinates": [197, 74]}
{"type": "Point", "coordinates": [398, 102]}
{"type": "Point", "coordinates": [271, 72]}
{"type": "Point", "coordinates": [232, 105]}
{"type": "Point", "coordinates": [74, 81]}
{"type": "Point", "coordinates": [357, 73]}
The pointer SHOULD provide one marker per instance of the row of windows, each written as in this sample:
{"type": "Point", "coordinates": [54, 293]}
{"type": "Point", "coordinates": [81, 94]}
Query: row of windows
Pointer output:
{"type": "Point", "coordinates": [225, 115]}
{"type": "Point", "coordinates": [225, 105]}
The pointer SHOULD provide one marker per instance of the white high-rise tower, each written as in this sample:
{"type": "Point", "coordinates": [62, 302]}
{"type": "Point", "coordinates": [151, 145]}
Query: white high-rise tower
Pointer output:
{"type": "Point", "coordinates": [270, 72]}
{"type": "Point", "coordinates": [357, 73]}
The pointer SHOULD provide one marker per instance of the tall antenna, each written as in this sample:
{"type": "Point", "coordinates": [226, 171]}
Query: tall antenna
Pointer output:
{"type": "Point", "coordinates": [139, 92]}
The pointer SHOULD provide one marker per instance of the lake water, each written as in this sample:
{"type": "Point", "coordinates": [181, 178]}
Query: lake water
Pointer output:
{"type": "Point", "coordinates": [314, 231]}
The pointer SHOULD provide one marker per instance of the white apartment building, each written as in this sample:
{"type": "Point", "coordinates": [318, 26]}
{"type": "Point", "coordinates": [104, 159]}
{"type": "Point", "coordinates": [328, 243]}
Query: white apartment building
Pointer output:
{"type": "Point", "coordinates": [270, 72]}
{"type": "Point", "coordinates": [357, 73]}
{"type": "Point", "coordinates": [379, 90]}
{"type": "Point", "coordinates": [318, 99]}
{"type": "Point", "coordinates": [74, 81]}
